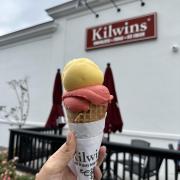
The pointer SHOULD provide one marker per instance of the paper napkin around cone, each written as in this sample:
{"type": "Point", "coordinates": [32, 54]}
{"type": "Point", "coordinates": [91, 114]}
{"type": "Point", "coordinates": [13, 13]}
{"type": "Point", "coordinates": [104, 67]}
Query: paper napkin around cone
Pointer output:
{"type": "Point", "coordinates": [89, 138]}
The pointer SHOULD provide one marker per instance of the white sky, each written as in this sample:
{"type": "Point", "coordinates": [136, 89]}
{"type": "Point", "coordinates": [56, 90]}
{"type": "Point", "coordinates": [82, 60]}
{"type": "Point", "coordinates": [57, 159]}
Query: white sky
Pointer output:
{"type": "Point", "coordinates": [19, 14]}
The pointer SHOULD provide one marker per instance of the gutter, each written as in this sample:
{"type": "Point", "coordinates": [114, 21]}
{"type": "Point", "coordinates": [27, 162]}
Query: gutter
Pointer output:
{"type": "Point", "coordinates": [28, 33]}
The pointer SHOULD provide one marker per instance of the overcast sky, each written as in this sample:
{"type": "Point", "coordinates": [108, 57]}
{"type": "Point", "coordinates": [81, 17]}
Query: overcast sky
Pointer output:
{"type": "Point", "coordinates": [19, 14]}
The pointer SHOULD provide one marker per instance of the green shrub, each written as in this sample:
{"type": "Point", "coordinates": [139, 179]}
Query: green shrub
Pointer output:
{"type": "Point", "coordinates": [8, 169]}
{"type": "Point", "coordinates": [25, 178]}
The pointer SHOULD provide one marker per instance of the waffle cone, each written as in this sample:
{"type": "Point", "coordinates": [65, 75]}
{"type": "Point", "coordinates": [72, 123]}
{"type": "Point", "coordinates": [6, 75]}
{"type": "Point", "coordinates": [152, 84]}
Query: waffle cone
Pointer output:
{"type": "Point", "coordinates": [94, 113]}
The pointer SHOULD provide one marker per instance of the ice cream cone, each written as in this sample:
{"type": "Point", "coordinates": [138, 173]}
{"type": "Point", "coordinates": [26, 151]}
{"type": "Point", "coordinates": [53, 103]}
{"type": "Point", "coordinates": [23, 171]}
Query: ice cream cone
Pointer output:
{"type": "Point", "coordinates": [94, 113]}
{"type": "Point", "coordinates": [86, 101]}
{"type": "Point", "coordinates": [88, 127]}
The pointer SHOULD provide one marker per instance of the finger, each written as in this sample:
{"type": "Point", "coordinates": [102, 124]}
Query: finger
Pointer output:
{"type": "Point", "coordinates": [102, 155]}
{"type": "Point", "coordinates": [97, 173]}
{"type": "Point", "coordinates": [68, 175]}
{"type": "Point", "coordinates": [59, 160]}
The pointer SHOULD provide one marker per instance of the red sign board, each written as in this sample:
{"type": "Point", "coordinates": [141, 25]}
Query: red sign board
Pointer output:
{"type": "Point", "coordinates": [122, 32]}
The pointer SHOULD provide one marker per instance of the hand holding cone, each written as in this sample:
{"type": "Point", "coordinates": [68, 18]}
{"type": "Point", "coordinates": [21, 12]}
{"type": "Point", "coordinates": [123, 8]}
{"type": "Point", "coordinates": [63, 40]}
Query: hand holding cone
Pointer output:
{"type": "Point", "coordinates": [56, 168]}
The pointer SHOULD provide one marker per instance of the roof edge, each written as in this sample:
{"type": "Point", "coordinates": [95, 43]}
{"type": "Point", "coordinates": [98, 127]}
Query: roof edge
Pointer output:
{"type": "Point", "coordinates": [27, 33]}
{"type": "Point", "coordinates": [69, 8]}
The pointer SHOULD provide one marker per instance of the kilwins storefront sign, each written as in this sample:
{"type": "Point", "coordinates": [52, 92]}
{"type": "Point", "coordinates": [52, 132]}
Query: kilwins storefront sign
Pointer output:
{"type": "Point", "coordinates": [125, 31]}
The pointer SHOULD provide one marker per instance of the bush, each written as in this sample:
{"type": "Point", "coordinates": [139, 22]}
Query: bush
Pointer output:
{"type": "Point", "coordinates": [25, 178]}
{"type": "Point", "coordinates": [8, 169]}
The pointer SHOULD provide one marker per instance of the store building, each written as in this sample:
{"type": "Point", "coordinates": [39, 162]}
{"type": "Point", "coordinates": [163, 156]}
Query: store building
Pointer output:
{"type": "Point", "coordinates": [141, 43]}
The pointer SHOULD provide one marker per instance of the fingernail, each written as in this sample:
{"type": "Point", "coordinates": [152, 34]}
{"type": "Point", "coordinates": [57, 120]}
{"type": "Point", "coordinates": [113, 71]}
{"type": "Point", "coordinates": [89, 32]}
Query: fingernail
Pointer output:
{"type": "Point", "coordinates": [68, 139]}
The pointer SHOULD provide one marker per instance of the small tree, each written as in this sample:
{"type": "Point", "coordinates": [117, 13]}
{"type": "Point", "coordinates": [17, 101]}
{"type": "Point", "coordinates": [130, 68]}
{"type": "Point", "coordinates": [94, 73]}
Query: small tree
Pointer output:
{"type": "Point", "coordinates": [18, 114]}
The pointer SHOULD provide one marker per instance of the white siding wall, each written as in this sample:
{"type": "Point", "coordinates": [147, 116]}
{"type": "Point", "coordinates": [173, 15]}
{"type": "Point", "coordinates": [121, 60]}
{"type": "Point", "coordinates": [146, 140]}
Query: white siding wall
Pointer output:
{"type": "Point", "coordinates": [146, 74]}
{"type": "Point", "coordinates": [32, 59]}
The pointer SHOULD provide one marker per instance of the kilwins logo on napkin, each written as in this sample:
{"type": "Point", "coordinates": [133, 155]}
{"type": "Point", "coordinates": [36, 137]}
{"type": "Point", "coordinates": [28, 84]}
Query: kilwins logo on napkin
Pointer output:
{"type": "Point", "coordinates": [88, 173]}
{"type": "Point", "coordinates": [86, 162]}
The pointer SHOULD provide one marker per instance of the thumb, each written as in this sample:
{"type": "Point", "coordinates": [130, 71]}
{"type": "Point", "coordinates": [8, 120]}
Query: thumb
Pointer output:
{"type": "Point", "coordinates": [59, 160]}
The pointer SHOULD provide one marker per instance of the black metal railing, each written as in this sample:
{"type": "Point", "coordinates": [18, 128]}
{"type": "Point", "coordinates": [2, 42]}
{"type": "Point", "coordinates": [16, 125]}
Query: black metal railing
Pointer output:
{"type": "Point", "coordinates": [124, 161]}
{"type": "Point", "coordinates": [33, 147]}
{"type": "Point", "coordinates": [121, 163]}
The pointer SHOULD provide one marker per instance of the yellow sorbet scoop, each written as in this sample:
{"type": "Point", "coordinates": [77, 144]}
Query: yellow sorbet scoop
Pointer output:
{"type": "Point", "coordinates": [82, 72]}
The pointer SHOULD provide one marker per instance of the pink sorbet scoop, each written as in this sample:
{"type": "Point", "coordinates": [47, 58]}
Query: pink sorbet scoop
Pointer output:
{"type": "Point", "coordinates": [79, 100]}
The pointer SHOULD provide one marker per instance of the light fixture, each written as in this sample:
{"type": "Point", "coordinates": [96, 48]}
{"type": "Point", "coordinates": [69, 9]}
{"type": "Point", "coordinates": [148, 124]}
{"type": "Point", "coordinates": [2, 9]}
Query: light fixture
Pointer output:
{"type": "Point", "coordinates": [115, 5]}
{"type": "Point", "coordinates": [87, 5]}
{"type": "Point", "coordinates": [81, 3]}
{"type": "Point", "coordinates": [175, 48]}
{"type": "Point", "coordinates": [142, 3]}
